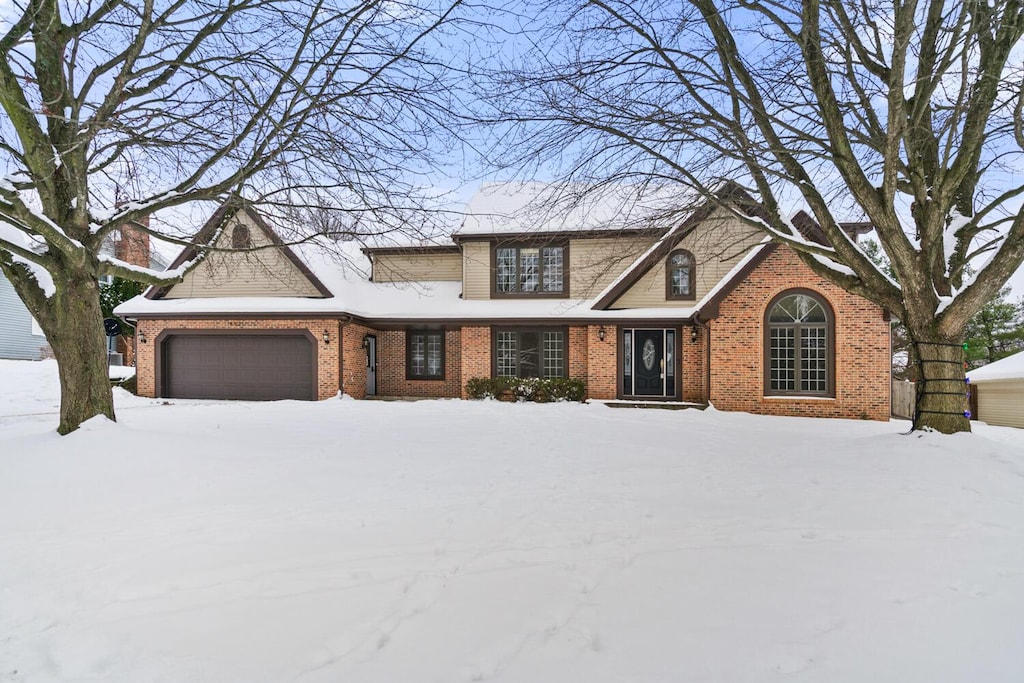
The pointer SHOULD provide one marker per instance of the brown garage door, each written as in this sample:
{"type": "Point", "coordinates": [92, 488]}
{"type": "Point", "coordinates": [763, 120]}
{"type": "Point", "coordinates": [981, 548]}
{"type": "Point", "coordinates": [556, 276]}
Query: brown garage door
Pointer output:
{"type": "Point", "coordinates": [255, 367]}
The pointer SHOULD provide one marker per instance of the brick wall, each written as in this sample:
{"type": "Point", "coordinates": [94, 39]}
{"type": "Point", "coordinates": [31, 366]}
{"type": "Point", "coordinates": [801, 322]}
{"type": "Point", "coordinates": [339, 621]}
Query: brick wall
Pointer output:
{"type": "Point", "coordinates": [328, 362]}
{"type": "Point", "coordinates": [693, 371]}
{"type": "Point", "coordinates": [391, 381]}
{"type": "Point", "coordinates": [475, 354]}
{"type": "Point", "coordinates": [133, 247]}
{"type": "Point", "coordinates": [602, 362]}
{"type": "Point", "coordinates": [353, 355]}
{"type": "Point", "coordinates": [862, 356]}
{"type": "Point", "coordinates": [578, 343]}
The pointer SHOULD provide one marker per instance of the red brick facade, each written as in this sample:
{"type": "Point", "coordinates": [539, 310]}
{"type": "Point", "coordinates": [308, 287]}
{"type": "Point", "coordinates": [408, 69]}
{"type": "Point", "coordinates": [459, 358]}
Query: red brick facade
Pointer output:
{"type": "Point", "coordinates": [475, 358]}
{"type": "Point", "coordinates": [602, 362]}
{"type": "Point", "coordinates": [862, 352]}
{"type": "Point", "coordinates": [391, 367]}
{"type": "Point", "coordinates": [328, 361]}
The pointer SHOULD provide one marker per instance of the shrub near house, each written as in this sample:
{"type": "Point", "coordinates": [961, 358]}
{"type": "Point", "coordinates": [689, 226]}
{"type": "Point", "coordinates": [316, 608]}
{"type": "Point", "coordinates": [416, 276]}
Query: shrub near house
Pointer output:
{"type": "Point", "coordinates": [703, 310]}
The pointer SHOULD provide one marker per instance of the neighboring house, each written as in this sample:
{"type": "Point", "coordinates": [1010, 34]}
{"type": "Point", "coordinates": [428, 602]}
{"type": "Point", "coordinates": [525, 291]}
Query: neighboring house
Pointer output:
{"type": "Point", "coordinates": [999, 387]}
{"type": "Point", "coordinates": [21, 337]}
{"type": "Point", "coordinates": [704, 311]}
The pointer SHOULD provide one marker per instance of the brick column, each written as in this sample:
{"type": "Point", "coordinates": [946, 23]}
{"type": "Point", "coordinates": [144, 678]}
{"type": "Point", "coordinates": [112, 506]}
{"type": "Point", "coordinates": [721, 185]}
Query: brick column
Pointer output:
{"type": "Point", "coordinates": [602, 362]}
{"type": "Point", "coordinates": [476, 354]}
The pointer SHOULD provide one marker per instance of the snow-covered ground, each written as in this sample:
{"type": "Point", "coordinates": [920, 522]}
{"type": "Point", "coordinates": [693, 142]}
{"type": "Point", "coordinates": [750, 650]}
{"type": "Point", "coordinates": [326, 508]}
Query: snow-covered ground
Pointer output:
{"type": "Point", "coordinates": [481, 541]}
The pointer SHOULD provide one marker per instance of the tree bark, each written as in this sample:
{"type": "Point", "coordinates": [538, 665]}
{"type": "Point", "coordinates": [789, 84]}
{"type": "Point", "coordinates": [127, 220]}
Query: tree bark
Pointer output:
{"type": "Point", "coordinates": [942, 403]}
{"type": "Point", "coordinates": [77, 339]}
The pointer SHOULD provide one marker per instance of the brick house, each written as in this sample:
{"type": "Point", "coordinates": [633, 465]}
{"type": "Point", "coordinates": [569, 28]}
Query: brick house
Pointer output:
{"type": "Point", "coordinates": [703, 311]}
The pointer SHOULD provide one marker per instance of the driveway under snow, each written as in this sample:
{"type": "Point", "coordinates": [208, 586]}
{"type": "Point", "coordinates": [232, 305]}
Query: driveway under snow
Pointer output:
{"type": "Point", "coordinates": [479, 541]}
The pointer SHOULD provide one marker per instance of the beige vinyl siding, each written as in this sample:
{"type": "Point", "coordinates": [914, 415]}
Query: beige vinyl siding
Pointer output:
{"type": "Point", "coordinates": [417, 267]}
{"type": "Point", "coordinates": [1001, 402]}
{"type": "Point", "coordinates": [476, 270]}
{"type": "Point", "coordinates": [596, 263]}
{"type": "Point", "coordinates": [266, 272]}
{"type": "Point", "coordinates": [717, 244]}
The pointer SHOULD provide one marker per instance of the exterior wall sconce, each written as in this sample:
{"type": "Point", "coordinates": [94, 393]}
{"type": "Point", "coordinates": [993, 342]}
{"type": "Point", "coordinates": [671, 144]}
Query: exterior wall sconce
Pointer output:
{"type": "Point", "coordinates": [327, 337]}
{"type": "Point", "coordinates": [366, 342]}
{"type": "Point", "coordinates": [693, 334]}
{"type": "Point", "coordinates": [600, 333]}
{"type": "Point", "coordinates": [142, 337]}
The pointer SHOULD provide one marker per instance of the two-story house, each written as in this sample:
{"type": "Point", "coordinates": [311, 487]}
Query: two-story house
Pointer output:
{"type": "Point", "coordinates": [704, 310]}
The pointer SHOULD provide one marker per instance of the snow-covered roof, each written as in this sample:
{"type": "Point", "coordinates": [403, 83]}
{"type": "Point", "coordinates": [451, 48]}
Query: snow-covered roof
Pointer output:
{"type": "Point", "coordinates": [343, 269]}
{"type": "Point", "coordinates": [525, 207]}
{"type": "Point", "coordinates": [1011, 367]}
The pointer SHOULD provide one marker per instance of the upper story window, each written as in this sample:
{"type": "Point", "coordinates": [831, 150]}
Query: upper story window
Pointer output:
{"type": "Point", "coordinates": [240, 238]}
{"type": "Point", "coordinates": [530, 270]}
{"type": "Point", "coordinates": [799, 341]}
{"type": "Point", "coordinates": [680, 280]}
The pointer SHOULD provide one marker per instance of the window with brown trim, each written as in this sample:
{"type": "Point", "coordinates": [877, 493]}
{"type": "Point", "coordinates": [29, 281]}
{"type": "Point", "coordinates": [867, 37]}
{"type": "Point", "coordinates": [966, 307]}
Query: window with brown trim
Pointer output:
{"type": "Point", "coordinates": [424, 354]}
{"type": "Point", "coordinates": [799, 346]}
{"type": "Point", "coordinates": [680, 275]}
{"type": "Point", "coordinates": [240, 238]}
{"type": "Point", "coordinates": [530, 352]}
{"type": "Point", "coordinates": [530, 270]}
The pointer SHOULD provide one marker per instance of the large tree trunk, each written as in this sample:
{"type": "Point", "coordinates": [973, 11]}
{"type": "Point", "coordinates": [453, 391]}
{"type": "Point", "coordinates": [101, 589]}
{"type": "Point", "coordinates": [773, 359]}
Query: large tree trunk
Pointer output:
{"type": "Point", "coordinates": [76, 336]}
{"type": "Point", "coordinates": [942, 402]}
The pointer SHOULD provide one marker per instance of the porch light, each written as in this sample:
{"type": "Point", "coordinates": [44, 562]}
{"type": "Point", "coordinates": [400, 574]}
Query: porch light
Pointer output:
{"type": "Point", "coordinates": [142, 337]}
{"type": "Point", "coordinates": [600, 333]}
{"type": "Point", "coordinates": [327, 337]}
{"type": "Point", "coordinates": [366, 342]}
{"type": "Point", "coordinates": [693, 334]}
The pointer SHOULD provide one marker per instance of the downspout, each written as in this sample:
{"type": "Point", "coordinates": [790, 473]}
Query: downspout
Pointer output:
{"type": "Point", "coordinates": [707, 356]}
{"type": "Point", "coordinates": [342, 322]}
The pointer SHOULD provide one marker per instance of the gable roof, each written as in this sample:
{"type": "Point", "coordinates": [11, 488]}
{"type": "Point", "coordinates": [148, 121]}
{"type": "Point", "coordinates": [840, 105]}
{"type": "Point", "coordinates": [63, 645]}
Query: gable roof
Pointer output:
{"type": "Point", "coordinates": [211, 230]}
{"type": "Point", "coordinates": [730, 192]}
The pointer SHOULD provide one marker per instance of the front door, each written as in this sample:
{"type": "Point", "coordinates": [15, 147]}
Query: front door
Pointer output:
{"type": "Point", "coordinates": [371, 365]}
{"type": "Point", "coordinates": [649, 362]}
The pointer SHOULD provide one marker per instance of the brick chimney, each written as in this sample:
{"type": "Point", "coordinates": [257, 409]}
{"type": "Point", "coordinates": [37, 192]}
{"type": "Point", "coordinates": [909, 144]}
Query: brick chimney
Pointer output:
{"type": "Point", "coordinates": [133, 247]}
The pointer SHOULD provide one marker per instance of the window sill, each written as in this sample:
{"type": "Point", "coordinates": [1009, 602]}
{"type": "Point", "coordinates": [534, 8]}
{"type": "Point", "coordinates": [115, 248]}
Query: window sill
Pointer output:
{"type": "Point", "coordinates": [799, 398]}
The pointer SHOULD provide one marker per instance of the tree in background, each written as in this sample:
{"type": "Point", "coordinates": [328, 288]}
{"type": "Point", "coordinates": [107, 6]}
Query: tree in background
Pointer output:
{"type": "Point", "coordinates": [905, 114]}
{"type": "Point", "coordinates": [996, 331]}
{"type": "Point", "coordinates": [116, 110]}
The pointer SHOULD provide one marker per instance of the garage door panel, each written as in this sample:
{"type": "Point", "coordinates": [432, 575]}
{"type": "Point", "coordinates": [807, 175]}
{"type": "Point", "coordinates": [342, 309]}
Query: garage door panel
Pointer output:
{"type": "Point", "coordinates": [242, 366]}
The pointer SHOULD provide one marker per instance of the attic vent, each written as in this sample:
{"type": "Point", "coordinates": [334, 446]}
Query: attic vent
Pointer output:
{"type": "Point", "coordinates": [240, 238]}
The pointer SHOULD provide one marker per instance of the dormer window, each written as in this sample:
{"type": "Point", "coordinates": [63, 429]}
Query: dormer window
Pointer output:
{"type": "Point", "coordinates": [530, 270]}
{"type": "Point", "coordinates": [240, 238]}
{"type": "Point", "coordinates": [680, 280]}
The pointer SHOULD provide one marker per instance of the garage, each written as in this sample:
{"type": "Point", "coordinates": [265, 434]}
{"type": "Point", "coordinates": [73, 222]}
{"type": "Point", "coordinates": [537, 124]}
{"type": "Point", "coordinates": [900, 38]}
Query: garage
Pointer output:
{"type": "Point", "coordinates": [249, 366]}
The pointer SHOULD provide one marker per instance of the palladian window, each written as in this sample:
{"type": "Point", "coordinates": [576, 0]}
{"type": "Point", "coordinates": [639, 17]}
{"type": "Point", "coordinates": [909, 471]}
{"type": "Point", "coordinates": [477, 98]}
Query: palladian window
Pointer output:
{"type": "Point", "coordinates": [799, 339]}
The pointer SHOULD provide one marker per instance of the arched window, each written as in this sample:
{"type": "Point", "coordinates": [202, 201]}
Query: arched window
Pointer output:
{"type": "Point", "coordinates": [680, 282]}
{"type": "Point", "coordinates": [240, 238]}
{"type": "Point", "coordinates": [799, 345]}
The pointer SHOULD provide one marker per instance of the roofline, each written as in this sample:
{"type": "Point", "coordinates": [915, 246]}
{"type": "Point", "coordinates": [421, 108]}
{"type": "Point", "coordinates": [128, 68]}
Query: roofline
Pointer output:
{"type": "Point", "coordinates": [412, 249]}
{"type": "Point", "coordinates": [413, 320]}
{"type": "Point", "coordinates": [210, 228]}
{"type": "Point", "coordinates": [591, 233]}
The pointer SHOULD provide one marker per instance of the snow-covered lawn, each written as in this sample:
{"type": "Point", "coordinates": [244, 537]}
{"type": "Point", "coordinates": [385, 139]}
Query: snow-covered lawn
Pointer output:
{"type": "Point", "coordinates": [463, 541]}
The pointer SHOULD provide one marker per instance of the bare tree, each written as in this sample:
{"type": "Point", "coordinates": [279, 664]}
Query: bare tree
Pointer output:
{"type": "Point", "coordinates": [908, 114]}
{"type": "Point", "coordinates": [330, 104]}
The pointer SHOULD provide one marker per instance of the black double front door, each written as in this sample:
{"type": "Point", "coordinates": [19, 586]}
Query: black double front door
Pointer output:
{"type": "Point", "coordinates": [649, 362]}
